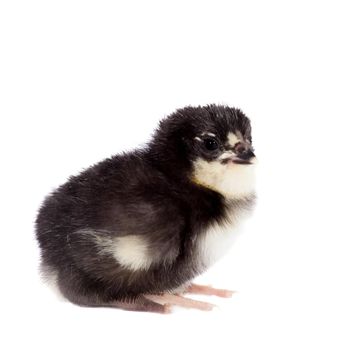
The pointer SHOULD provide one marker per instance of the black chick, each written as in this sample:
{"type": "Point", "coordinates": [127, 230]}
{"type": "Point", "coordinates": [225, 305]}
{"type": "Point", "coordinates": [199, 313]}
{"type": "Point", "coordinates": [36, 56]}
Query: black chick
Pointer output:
{"type": "Point", "coordinates": [134, 230]}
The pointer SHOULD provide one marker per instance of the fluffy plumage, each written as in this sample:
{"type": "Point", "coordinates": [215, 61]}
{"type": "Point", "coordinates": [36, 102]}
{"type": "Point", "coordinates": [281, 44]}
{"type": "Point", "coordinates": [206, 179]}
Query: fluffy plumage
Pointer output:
{"type": "Point", "coordinates": [151, 220]}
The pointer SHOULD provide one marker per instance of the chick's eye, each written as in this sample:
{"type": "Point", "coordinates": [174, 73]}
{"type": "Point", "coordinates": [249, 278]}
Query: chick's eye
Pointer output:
{"type": "Point", "coordinates": [211, 144]}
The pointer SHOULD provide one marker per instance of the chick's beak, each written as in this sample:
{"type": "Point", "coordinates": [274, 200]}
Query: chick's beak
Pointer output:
{"type": "Point", "coordinates": [244, 158]}
{"type": "Point", "coordinates": [243, 154]}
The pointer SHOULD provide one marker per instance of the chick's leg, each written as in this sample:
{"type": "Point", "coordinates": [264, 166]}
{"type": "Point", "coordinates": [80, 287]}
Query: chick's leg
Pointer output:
{"type": "Point", "coordinates": [208, 290]}
{"type": "Point", "coordinates": [143, 304]}
{"type": "Point", "coordinates": [172, 299]}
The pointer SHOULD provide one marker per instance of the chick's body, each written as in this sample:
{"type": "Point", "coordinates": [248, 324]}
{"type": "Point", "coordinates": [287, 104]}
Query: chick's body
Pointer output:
{"type": "Point", "coordinates": [144, 222]}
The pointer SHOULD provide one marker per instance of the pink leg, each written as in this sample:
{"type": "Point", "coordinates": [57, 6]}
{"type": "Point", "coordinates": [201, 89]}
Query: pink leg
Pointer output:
{"type": "Point", "coordinates": [178, 300]}
{"type": "Point", "coordinates": [208, 290]}
{"type": "Point", "coordinates": [143, 304]}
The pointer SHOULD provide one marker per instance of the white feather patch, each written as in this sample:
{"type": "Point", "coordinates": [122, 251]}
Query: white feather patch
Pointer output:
{"type": "Point", "coordinates": [231, 180]}
{"type": "Point", "coordinates": [218, 239]}
{"type": "Point", "coordinates": [233, 139]}
{"type": "Point", "coordinates": [132, 251]}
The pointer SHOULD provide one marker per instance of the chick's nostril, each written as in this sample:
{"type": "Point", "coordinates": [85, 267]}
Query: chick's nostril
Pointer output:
{"type": "Point", "coordinates": [240, 149]}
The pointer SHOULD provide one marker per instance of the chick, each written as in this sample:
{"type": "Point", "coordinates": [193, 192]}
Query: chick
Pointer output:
{"type": "Point", "coordinates": [134, 230]}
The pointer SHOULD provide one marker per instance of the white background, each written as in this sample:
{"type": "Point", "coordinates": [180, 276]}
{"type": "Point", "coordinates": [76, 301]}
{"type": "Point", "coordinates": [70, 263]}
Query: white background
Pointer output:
{"type": "Point", "coordinates": [81, 80]}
